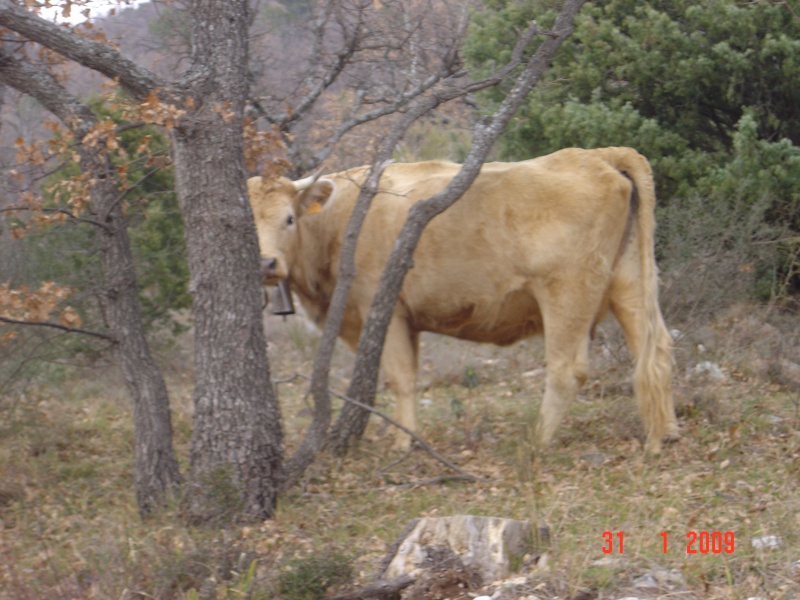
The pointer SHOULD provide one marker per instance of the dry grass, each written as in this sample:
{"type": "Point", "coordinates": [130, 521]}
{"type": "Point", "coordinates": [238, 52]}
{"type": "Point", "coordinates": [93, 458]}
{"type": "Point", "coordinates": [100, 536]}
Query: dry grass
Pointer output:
{"type": "Point", "coordinates": [70, 530]}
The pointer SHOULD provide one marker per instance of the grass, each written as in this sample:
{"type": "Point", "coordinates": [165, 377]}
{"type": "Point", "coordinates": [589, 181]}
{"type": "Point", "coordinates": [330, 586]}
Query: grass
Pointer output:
{"type": "Point", "coordinates": [69, 525]}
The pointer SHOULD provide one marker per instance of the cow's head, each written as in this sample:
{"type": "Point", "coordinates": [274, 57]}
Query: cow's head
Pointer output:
{"type": "Point", "coordinates": [278, 205]}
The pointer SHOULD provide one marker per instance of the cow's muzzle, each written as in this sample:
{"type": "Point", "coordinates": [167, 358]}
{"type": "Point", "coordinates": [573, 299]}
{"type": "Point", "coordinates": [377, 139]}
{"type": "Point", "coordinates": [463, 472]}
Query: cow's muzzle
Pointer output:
{"type": "Point", "coordinates": [269, 270]}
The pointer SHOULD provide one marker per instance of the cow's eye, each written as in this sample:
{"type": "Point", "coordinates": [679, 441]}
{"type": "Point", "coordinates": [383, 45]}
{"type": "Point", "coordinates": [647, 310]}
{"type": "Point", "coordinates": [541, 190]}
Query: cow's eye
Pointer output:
{"type": "Point", "coordinates": [290, 220]}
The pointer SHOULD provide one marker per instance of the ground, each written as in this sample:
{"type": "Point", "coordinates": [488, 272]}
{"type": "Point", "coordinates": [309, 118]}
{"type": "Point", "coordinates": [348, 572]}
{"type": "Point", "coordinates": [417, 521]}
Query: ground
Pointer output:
{"type": "Point", "coordinates": [717, 515]}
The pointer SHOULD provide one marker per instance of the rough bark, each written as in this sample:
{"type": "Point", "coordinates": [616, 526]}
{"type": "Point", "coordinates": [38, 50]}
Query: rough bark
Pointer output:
{"type": "Point", "coordinates": [156, 468]}
{"type": "Point", "coordinates": [352, 421]}
{"type": "Point", "coordinates": [236, 422]}
{"type": "Point", "coordinates": [318, 431]}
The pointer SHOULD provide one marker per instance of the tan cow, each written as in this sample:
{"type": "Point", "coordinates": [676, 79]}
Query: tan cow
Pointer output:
{"type": "Point", "coordinates": [547, 245]}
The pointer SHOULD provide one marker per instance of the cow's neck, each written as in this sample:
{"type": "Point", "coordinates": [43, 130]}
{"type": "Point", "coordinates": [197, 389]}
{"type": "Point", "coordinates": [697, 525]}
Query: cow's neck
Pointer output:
{"type": "Point", "coordinates": [312, 273]}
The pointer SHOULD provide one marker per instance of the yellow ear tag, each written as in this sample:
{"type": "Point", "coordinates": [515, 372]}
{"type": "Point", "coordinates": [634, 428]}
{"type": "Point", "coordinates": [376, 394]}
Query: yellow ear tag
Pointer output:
{"type": "Point", "coordinates": [314, 208]}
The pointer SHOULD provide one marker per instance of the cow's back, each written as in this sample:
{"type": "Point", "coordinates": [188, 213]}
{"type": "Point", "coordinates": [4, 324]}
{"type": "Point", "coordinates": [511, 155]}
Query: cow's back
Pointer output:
{"type": "Point", "coordinates": [479, 264]}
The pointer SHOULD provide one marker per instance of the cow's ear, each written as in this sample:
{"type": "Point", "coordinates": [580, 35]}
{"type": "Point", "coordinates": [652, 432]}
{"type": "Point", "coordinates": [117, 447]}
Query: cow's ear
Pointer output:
{"type": "Point", "coordinates": [313, 198]}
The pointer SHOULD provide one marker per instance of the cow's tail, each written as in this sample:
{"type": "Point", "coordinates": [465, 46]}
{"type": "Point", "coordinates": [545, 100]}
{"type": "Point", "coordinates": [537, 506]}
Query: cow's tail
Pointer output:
{"type": "Point", "coordinates": [654, 359]}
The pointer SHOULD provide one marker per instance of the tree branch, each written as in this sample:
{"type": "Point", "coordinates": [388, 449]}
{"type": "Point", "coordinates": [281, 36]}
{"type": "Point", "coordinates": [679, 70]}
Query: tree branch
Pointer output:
{"type": "Point", "coordinates": [416, 437]}
{"type": "Point", "coordinates": [378, 589]}
{"type": "Point", "coordinates": [62, 211]}
{"type": "Point", "coordinates": [18, 73]}
{"type": "Point", "coordinates": [317, 432]}
{"type": "Point", "coordinates": [359, 119]}
{"type": "Point", "coordinates": [104, 336]}
{"type": "Point", "coordinates": [94, 55]}
{"type": "Point", "coordinates": [441, 85]}
{"type": "Point", "coordinates": [323, 83]}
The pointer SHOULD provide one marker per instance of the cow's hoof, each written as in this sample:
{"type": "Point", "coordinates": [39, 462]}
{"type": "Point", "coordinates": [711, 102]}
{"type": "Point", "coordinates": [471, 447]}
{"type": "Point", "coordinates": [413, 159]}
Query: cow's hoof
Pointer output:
{"type": "Point", "coordinates": [673, 434]}
{"type": "Point", "coordinates": [653, 446]}
{"type": "Point", "coordinates": [402, 442]}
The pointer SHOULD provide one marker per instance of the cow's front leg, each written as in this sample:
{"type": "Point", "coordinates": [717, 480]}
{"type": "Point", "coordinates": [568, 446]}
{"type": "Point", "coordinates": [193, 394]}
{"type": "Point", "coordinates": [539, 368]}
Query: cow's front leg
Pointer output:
{"type": "Point", "coordinates": [399, 362]}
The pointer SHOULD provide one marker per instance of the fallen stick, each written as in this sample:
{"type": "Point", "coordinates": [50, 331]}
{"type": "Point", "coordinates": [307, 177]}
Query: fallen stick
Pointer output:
{"type": "Point", "coordinates": [376, 589]}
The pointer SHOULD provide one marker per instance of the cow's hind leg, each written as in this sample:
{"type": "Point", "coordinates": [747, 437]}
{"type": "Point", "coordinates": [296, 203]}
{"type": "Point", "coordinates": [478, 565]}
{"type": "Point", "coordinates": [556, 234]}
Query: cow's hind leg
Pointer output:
{"type": "Point", "coordinates": [651, 346]}
{"type": "Point", "coordinates": [400, 362]}
{"type": "Point", "coordinates": [566, 335]}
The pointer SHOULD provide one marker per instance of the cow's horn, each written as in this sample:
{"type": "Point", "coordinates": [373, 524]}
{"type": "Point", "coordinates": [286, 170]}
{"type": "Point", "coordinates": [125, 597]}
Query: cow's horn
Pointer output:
{"type": "Point", "coordinates": [304, 184]}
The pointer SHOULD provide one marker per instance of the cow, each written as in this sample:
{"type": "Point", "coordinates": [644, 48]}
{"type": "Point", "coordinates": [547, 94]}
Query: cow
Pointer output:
{"type": "Point", "coordinates": [543, 246]}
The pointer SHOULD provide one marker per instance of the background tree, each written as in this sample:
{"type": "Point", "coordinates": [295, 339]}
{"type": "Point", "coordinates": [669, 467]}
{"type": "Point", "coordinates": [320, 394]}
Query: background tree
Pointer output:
{"type": "Point", "coordinates": [237, 433]}
{"type": "Point", "coordinates": [156, 471]}
{"type": "Point", "coordinates": [65, 252]}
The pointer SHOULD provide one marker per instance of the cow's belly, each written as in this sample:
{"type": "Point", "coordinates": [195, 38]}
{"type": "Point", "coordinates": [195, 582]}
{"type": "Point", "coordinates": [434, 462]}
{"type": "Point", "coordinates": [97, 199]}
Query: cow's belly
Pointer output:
{"type": "Point", "coordinates": [500, 320]}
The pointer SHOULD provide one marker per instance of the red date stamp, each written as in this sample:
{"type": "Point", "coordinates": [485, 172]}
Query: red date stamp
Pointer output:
{"type": "Point", "coordinates": [697, 542]}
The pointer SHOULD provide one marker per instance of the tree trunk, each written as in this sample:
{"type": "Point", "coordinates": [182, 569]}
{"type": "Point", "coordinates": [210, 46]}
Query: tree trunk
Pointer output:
{"type": "Point", "coordinates": [156, 468]}
{"type": "Point", "coordinates": [236, 451]}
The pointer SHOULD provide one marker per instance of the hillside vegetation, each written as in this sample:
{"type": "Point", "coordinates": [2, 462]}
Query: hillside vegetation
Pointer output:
{"type": "Point", "coordinates": [71, 529]}
{"type": "Point", "coordinates": [707, 91]}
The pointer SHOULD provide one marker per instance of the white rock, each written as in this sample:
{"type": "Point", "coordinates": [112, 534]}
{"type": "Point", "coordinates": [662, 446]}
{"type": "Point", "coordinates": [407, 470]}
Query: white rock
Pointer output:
{"type": "Point", "coordinates": [486, 544]}
{"type": "Point", "coordinates": [790, 372]}
{"type": "Point", "coordinates": [645, 581]}
{"type": "Point", "coordinates": [767, 542]}
{"type": "Point", "coordinates": [608, 561]}
{"type": "Point", "coordinates": [668, 576]}
{"type": "Point", "coordinates": [710, 370]}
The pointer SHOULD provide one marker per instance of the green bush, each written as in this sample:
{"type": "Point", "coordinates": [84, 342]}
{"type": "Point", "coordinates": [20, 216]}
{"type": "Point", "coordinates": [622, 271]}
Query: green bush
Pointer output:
{"type": "Point", "coordinates": [705, 90]}
{"type": "Point", "coordinates": [309, 578]}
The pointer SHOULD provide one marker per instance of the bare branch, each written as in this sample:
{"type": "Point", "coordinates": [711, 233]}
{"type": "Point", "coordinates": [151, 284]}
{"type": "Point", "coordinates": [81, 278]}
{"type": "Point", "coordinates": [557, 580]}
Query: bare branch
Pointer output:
{"type": "Point", "coordinates": [443, 86]}
{"type": "Point", "coordinates": [105, 215]}
{"type": "Point", "coordinates": [410, 485]}
{"type": "Point", "coordinates": [18, 73]}
{"type": "Point", "coordinates": [359, 119]}
{"type": "Point", "coordinates": [416, 437]}
{"type": "Point", "coordinates": [322, 83]}
{"type": "Point", "coordinates": [62, 211]}
{"type": "Point", "coordinates": [94, 55]}
{"type": "Point", "coordinates": [378, 589]}
{"type": "Point", "coordinates": [104, 336]}
{"type": "Point", "coordinates": [384, 59]}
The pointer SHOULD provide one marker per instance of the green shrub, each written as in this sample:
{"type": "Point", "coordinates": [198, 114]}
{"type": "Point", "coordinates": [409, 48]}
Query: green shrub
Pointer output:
{"type": "Point", "coordinates": [309, 578]}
